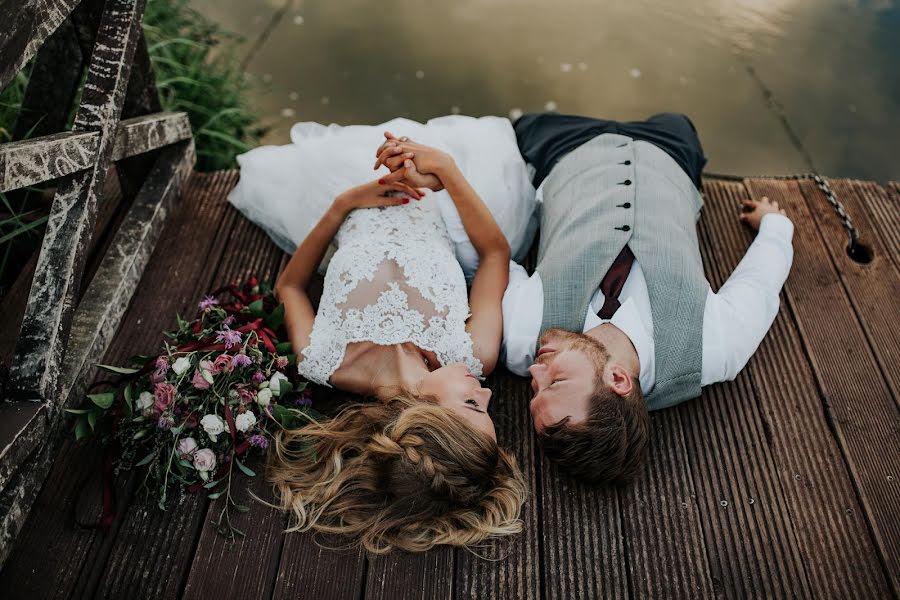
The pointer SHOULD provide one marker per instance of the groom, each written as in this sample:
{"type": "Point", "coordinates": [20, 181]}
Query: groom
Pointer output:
{"type": "Point", "coordinates": [618, 317]}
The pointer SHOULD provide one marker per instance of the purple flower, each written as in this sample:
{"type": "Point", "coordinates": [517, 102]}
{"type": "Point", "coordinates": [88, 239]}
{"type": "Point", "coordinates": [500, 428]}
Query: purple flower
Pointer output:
{"type": "Point", "coordinates": [305, 399]}
{"type": "Point", "coordinates": [228, 321]}
{"type": "Point", "coordinates": [229, 336]}
{"type": "Point", "coordinates": [208, 302]}
{"type": "Point", "coordinates": [164, 422]}
{"type": "Point", "coordinates": [240, 360]}
{"type": "Point", "coordinates": [162, 366]}
{"type": "Point", "coordinates": [259, 441]}
{"type": "Point", "coordinates": [259, 376]}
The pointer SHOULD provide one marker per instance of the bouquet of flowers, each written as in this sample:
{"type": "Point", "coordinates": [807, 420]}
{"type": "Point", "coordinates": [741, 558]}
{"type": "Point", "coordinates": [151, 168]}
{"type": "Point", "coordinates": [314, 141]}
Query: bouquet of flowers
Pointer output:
{"type": "Point", "coordinates": [218, 392]}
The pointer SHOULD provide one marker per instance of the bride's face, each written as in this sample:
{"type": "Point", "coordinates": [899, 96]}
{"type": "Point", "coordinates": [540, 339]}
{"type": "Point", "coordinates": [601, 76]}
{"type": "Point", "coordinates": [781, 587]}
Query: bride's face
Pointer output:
{"type": "Point", "coordinates": [456, 389]}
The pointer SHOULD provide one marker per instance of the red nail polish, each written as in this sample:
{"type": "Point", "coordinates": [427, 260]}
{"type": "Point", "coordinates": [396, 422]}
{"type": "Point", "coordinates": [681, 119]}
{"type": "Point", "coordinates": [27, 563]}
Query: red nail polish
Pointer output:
{"type": "Point", "coordinates": [406, 201]}
{"type": "Point", "coordinates": [381, 181]}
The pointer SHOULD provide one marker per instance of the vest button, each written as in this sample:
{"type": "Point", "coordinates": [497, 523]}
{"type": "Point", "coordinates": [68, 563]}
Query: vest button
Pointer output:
{"type": "Point", "coordinates": [627, 162]}
{"type": "Point", "coordinates": [626, 182]}
{"type": "Point", "coordinates": [626, 205]}
{"type": "Point", "coordinates": [624, 228]}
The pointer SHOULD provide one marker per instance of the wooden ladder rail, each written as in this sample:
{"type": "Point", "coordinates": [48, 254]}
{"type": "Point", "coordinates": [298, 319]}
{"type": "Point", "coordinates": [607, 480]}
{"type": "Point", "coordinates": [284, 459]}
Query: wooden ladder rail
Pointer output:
{"type": "Point", "coordinates": [61, 338]}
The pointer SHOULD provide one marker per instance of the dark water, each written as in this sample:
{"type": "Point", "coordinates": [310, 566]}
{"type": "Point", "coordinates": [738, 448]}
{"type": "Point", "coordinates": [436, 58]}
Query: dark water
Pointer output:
{"type": "Point", "coordinates": [774, 86]}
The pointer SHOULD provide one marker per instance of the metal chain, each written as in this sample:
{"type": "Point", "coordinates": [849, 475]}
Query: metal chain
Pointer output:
{"type": "Point", "coordinates": [846, 221]}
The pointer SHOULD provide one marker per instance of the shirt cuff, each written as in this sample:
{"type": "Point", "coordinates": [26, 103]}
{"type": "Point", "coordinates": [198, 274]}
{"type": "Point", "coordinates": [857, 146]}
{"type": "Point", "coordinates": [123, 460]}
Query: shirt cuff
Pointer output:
{"type": "Point", "coordinates": [777, 225]}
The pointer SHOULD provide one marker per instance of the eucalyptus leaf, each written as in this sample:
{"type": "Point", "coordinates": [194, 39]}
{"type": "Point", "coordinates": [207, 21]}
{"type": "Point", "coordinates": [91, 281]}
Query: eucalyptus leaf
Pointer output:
{"type": "Point", "coordinates": [103, 400]}
{"type": "Point", "coordinates": [81, 428]}
{"type": "Point", "coordinates": [241, 508]}
{"type": "Point", "coordinates": [214, 495]}
{"type": "Point", "coordinates": [147, 459]}
{"type": "Point", "coordinates": [141, 433]}
{"type": "Point", "coordinates": [77, 411]}
{"type": "Point", "coordinates": [244, 468]}
{"type": "Point", "coordinates": [128, 397]}
{"type": "Point", "coordinates": [92, 419]}
{"type": "Point", "coordinates": [119, 370]}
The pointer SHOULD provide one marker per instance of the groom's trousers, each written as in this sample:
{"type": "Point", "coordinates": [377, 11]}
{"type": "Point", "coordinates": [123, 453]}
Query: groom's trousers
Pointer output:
{"type": "Point", "coordinates": [544, 138]}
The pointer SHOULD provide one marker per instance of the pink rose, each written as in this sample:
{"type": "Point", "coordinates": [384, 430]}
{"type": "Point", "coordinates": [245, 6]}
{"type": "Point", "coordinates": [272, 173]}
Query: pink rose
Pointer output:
{"type": "Point", "coordinates": [204, 460]}
{"type": "Point", "coordinates": [209, 366]}
{"type": "Point", "coordinates": [245, 395]}
{"type": "Point", "coordinates": [165, 395]}
{"type": "Point", "coordinates": [222, 363]}
{"type": "Point", "coordinates": [198, 381]}
{"type": "Point", "coordinates": [186, 447]}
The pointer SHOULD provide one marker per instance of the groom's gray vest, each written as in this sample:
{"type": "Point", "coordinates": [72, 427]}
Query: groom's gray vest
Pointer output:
{"type": "Point", "coordinates": [613, 191]}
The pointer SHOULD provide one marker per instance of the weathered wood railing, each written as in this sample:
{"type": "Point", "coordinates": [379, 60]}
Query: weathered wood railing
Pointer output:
{"type": "Point", "coordinates": [118, 121]}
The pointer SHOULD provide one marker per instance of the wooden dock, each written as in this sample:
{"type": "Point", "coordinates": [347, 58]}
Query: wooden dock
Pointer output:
{"type": "Point", "coordinates": [783, 483]}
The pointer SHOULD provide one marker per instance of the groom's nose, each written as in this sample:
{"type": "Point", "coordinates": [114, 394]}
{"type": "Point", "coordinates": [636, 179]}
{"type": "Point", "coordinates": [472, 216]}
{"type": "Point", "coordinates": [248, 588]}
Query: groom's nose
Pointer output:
{"type": "Point", "coordinates": [537, 372]}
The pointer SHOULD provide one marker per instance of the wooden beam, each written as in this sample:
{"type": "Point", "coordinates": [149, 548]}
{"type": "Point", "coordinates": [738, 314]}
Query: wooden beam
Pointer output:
{"type": "Point", "coordinates": [109, 293]}
{"type": "Point", "coordinates": [23, 427]}
{"type": "Point", "coordinates": [48, 316]}
{"type": "Point", "coordinates": [52, 156]}
{"type": "Point", "coordinates": [26, 24]}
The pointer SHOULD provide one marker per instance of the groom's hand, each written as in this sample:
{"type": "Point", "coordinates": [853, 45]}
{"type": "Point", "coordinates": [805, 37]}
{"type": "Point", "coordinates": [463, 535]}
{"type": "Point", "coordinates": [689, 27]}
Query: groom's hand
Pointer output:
{"type": "Point", "coordinates": [412, 163]}
{"type": "Point", "coordinates": [755, 210]}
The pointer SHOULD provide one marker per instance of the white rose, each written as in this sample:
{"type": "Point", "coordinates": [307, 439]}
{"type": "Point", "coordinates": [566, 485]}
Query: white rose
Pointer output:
{"type": "Point", "coordinates": [145, 401]}
{"type": "Point", "coordinates": [245, 421]}
{"type": "Point", "coordinates": [264, 397]}
{"type": "Point", "coordinates": [213, 425]}
{"type": "Point", "coordinates": [275, 383]}
{"type": "Point", "coordinates": [186, 446]}
{"type": "Point", "coordinates": [182, 364]}
{"type": "Point", "coordinates": [205, 459]}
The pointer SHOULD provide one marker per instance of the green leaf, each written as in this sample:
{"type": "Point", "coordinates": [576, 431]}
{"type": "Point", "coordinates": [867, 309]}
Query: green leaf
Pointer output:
{"type": "Point", "coordinates": [92, 419]}
{"type": "Point", "coordinates": [120, 370]}
{"type": "Point", "coordinates": [285, 387]}
{"type": "Point", "coordinates": [77, 411]}
{"type": "Point", "coordinates": [256, 308]}
{"type": "Point", "coordinates": [244, 469]}
{"type": "Point", "coordinates": [204, 475]}
{"type": "Point", "coordinates": [214, 495]}
{"type": "Point", "coordinates": [185, 463]}
{"type": "Point", "coordinates": [139, 359]}
{"type": "Point", "coordinates": [274, 320]}
{"type": "Point", "coordinates": [147, 459]}
{"type": "Point", "coordinates": [128, 397]}
{"type": "Point", "coordinates": [283, 348]}
{"type": "Point", "coordinates": [103, 400]}
{"type": "Point", "coordinates": [241, 508]}
{"type": "Point", "coordinates": [301, 386]}
{"type": "Point", "coordinates": [81, 428]}
{"type": "Point", "coordinates": [141, 433]}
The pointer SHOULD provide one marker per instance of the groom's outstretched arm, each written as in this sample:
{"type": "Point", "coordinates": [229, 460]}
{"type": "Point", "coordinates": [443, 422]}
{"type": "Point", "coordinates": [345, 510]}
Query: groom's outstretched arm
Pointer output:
{"type": "Point", "coordinates": [740, 314]}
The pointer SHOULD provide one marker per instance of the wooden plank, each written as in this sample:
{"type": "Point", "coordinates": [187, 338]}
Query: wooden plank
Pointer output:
{"type": "Point", "coordinates": [176, 275]}
{"type": "Point", "coordinates": [106, 300]}
{"type": "Point", "coordinates": [408, 576]}
{"type": "Point", "coordinates": [885, 210]}
{"type": "Point", "coordinates": [872, 287]}
{"type": "Point", "coordinates": [26, 24]}
{"type": "Point", "coordinates": [48, 316]}
{"type": "Point", "coordinates": [310, 568]}
{"type": "Point", "coordinates": [23, 426]}
{"type": "Point", "coordinates": [862, 411]}
{"type": "Point", "coordinates": [247, 250]}
{"type": "Point", "coordinates": [32, 161]}
{"type": "Point", "coordinates": [830, 532]}
{"type": "Point", "coordinates": [511, 567]}
{"type": "Point", "coordinates": [665, 551]}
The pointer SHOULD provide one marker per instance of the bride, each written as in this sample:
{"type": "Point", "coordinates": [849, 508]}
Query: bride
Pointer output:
{"type": "Point", "coordinates": [421, 465]}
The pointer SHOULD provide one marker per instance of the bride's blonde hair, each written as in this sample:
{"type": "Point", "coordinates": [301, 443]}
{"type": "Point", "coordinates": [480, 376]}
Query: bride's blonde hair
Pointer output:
{"type": "Point", "coordinates": [403, 474]}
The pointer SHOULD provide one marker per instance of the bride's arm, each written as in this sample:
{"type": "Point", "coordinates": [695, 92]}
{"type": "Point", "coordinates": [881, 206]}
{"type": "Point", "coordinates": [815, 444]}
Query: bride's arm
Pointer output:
{"type": "Point", "coordinates": [485, 326]}
{"type": "Point", "coordinates": [290, 287]}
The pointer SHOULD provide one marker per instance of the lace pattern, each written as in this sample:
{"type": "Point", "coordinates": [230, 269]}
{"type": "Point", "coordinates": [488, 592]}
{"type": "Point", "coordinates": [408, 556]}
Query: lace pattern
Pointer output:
{"type": "Point", "coordinates": [393, 279]}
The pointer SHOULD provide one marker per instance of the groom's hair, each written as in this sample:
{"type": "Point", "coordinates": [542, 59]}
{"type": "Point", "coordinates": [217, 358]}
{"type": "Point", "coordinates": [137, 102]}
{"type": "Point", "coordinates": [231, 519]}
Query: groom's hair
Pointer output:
{"type": "Point", "coordinates": [610, 445]}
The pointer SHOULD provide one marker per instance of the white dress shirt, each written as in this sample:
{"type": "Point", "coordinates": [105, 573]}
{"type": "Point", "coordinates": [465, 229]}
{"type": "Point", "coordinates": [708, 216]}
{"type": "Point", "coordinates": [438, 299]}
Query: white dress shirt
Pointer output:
{"type": "Point", "coordinates": [735, 319]}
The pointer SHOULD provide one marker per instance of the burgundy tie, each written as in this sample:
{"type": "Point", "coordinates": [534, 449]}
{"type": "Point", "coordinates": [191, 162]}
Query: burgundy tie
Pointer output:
{"type": "Point", "coordinates": [614, 281]}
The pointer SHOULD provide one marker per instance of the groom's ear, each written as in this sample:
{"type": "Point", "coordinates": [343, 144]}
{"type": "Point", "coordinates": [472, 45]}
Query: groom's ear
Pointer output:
{"type": "Point", "coordinates": [618, 380]}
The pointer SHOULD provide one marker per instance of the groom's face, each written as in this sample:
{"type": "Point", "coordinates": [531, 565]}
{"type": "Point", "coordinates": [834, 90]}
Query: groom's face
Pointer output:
{"type": "Point", "coordinates": [564, 377]}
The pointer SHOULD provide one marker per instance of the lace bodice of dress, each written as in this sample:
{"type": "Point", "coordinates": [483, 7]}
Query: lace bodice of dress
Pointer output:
{"type": "Point", "coordinates": [393, 279]}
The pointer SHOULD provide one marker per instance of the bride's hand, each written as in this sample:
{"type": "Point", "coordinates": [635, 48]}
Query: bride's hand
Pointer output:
{"type": "Point", "coordinates": [375, 194]}
{"type": "Point", "coordinates": [417, 164]}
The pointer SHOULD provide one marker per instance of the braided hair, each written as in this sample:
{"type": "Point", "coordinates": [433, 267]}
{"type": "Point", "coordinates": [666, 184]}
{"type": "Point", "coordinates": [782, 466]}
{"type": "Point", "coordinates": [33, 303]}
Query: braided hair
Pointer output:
{"type": "Point", "coordinates": [404, 474]}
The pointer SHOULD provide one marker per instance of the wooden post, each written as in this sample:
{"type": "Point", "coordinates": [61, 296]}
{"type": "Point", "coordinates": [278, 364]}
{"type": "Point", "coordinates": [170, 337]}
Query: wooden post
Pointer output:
{"type": "Point", "coordinates": [37, 360]}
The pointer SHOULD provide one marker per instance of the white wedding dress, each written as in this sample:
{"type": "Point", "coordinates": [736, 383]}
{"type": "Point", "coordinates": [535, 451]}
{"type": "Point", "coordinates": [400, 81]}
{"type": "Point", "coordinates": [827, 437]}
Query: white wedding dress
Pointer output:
{"type": "Point", "coordinates": [396, 274]}
{"type": "Point", "coordinates": [393, 279]}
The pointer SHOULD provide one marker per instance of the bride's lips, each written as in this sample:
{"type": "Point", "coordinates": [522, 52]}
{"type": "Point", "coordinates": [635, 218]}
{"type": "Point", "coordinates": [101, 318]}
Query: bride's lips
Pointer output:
{"type": "Point", "coordinates": [470, 375]}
